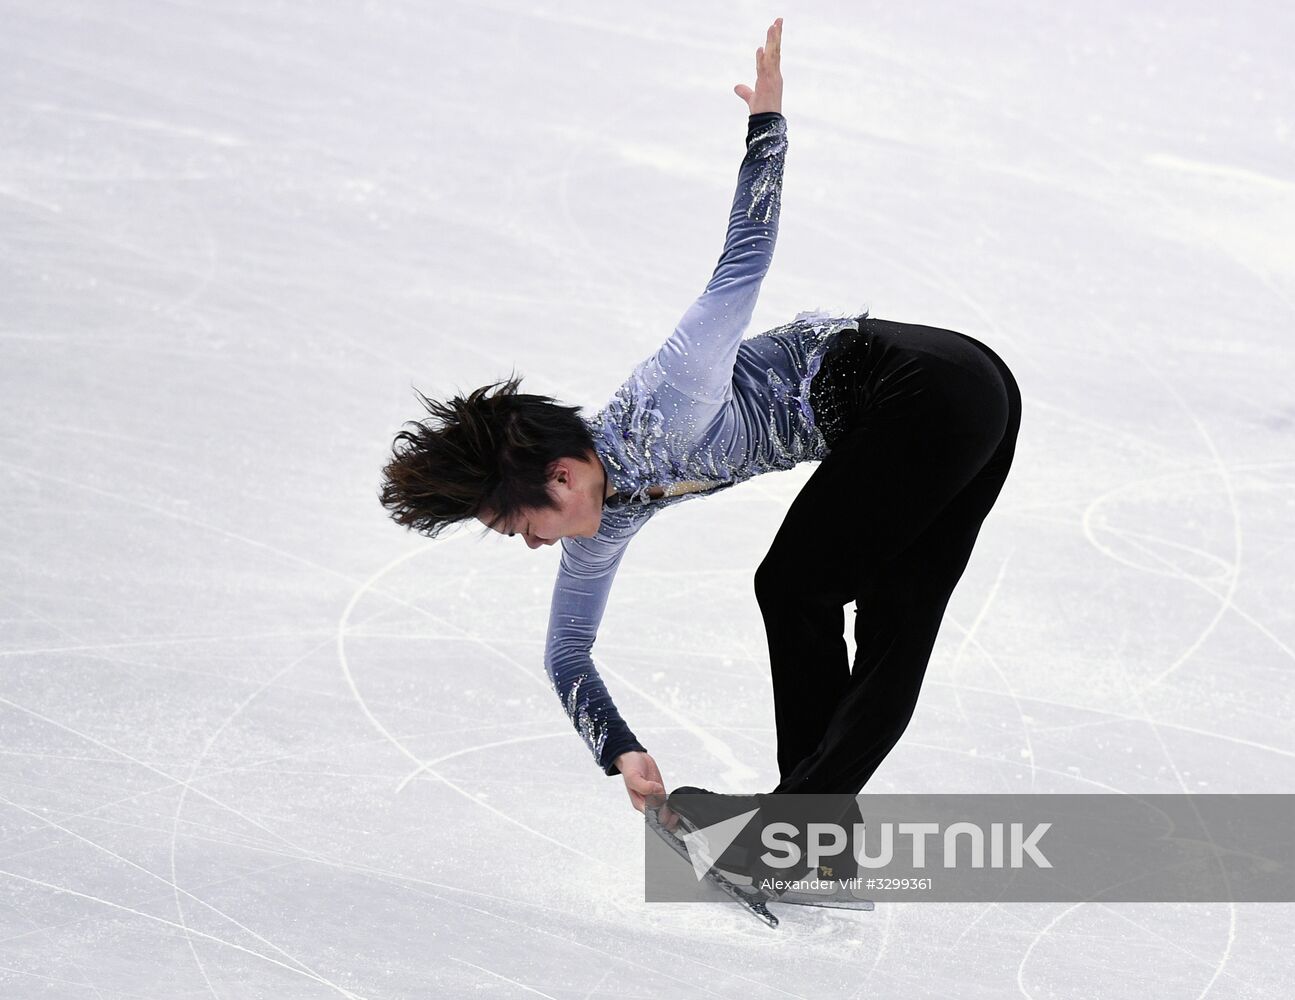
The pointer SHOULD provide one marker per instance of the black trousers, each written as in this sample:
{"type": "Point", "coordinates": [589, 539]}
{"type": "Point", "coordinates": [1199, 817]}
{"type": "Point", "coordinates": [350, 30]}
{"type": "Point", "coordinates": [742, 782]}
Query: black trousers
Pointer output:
{"type": "Point", "coordinates": [921, 424]}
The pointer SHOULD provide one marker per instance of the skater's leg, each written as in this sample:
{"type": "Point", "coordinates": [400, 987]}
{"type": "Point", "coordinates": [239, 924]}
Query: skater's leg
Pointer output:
{"type": "Point", "coordinates": [898, 614]}
{"type": "Point", "coordinates": [934, 411]}
{"type": "Point", "coordinates": [810, 666]}
{"type": "Point", "coordinates": [897, 620]}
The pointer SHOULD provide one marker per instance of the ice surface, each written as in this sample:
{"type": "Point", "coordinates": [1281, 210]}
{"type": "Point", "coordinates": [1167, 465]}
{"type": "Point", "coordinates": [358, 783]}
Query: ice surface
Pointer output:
{"type": "Point", "coordinates": [257, 741]}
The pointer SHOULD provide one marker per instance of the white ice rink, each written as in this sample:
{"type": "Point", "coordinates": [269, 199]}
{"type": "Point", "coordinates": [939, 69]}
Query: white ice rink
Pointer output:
{"type": "Point", "coordinates": [258, 741]}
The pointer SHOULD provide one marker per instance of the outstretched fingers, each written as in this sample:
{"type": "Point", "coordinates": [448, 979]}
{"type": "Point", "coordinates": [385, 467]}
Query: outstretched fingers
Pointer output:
{"type": "Point", "coordinates": [767, 95]}
{"type": "Point", "coordinates": [772, 48]}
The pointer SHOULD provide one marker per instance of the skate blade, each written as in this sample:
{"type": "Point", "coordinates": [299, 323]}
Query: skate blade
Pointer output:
{"type": "Point", "coordinates": [753, 900]}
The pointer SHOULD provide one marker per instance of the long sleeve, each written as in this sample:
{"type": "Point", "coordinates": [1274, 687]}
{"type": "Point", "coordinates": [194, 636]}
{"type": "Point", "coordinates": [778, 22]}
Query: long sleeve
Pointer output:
{"type": "Point", "coordinates": [697, 359]}
{"type": "Point", "coordinates": [584, 580]}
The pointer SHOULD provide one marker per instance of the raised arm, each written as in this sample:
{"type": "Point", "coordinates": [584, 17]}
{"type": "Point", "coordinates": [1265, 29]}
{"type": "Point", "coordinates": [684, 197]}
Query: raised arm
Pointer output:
{"type": "Point", "coordinates": [584, 580]}
{"type": "Point", "coordinates": [697, 359]}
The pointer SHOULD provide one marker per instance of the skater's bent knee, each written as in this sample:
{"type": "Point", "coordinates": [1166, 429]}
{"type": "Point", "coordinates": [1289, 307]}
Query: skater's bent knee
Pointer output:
{"type": "Point", "coordinates": [783, 583]}
{"type": "Point", "coordinates": [774, 579]}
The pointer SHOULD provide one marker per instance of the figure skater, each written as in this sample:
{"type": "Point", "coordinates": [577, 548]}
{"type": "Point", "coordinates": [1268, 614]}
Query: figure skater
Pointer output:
{"type": "Point", "coordinates": [914, 428]}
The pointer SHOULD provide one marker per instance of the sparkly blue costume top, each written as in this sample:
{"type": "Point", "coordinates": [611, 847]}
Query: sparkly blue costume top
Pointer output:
{"type": "Point", "coordinates": [706, 408]}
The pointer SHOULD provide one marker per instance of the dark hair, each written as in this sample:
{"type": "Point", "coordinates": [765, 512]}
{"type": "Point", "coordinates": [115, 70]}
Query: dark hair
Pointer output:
{"type": "Point", "coordinates": [487, 451]}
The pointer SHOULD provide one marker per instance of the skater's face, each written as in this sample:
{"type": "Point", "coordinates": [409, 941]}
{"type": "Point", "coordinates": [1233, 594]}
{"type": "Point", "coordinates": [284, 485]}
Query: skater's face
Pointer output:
{"type": "Point", "coordinates": [579, 486]}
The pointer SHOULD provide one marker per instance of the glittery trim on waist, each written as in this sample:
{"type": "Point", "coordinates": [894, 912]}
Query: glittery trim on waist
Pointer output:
{"type": "Point", "coordinates": [837, 389]}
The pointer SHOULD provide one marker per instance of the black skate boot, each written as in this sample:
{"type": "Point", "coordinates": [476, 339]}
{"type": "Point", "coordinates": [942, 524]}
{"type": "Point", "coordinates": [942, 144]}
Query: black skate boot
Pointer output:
{"type": "Point", "coordinates": [844, 866]}
{"type": "Point", "coordinates": [700, 808]}
{"type": "Point", "coordinates": [836, 869]}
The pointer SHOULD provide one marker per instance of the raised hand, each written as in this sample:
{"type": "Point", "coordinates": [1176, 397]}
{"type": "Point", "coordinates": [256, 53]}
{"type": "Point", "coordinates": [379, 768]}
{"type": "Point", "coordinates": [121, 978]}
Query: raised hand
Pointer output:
{"type": "Point", "coordinates": [767, 95]}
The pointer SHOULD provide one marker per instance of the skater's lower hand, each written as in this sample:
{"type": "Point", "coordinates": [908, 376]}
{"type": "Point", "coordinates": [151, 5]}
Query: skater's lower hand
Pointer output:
{"type": "Point", "coordinates": [643, 781]}
{"type": "Point", "coordinates": [767, 95]}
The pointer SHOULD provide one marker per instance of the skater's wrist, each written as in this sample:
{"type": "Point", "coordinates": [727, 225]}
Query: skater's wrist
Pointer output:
{"type": "Point", "coordinates": [619, 755]}
{"type": "Point", "coordinates": [755, 122]}
{"type": "Point", "coordinates": [617, 764]}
